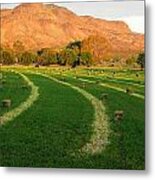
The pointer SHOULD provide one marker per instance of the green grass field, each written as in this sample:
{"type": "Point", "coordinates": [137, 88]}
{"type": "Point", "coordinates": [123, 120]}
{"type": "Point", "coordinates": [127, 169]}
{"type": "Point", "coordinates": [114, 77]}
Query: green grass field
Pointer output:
{"type": "Point", "coordinates": [69, 125]}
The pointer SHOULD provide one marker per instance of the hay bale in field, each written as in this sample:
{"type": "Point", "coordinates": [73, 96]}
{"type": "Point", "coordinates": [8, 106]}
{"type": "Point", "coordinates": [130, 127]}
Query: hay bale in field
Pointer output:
{"type": "Point", "coordinates": [6, 103]}
{"type": "Point", "coordinates": [103, 96]}
{"type": "Point", "coordinates": [128, 91]}
{"type": "Point", "coordinates": [118, 115]}
{"type": "Point", "coordinates": [24, 86]}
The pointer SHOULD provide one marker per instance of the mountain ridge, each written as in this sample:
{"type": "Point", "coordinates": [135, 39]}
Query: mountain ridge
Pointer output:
{"type": "Point", "coordinates": [39, 25]}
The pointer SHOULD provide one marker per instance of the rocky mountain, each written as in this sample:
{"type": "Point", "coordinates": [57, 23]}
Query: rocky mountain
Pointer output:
{"type": "Point", "coordinates": [39, 26]}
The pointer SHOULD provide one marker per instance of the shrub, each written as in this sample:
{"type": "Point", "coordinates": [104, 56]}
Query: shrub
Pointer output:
{"type": "Point", "coordinates": [141, 60]}
{"type": "Point", "coordinates": [27, 58]}
{"type": "Point", "coordinates": [67, 57]}
{"type": "Point", "coordinates": [86, 58]}
{"type": "Point", "coordinates": [7, 57]}
{"type": "Point", "coordinates": [49, 57]}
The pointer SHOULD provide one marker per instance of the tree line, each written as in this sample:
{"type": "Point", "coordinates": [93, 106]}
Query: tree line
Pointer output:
{"type": "Point", "coordinates": [73, 55]}
{"type": "Point", "coordinates": [70, 55]}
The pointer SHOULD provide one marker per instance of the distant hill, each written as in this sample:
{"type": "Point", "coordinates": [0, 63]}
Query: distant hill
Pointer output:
{"type": "Point", "coordinates": [49, 26]}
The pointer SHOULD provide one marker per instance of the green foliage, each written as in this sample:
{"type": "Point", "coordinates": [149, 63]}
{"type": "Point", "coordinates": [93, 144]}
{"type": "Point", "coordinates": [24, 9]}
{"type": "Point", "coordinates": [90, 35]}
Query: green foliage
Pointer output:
{"type": "Point", "coordinates": [27, 58]}
{"type": "Point", "coordinates": [7, 57]}
{"type": "Point", "coordinates": [94, 50]}
{"type": "Point", "coordinates": [67, 57]}
{"type": "Point", "coordinates": [86, 58]}
{"type": "Point", "coordinates": [131, 60]}
{"type": "Point", "coordinates": [76, 46]}
{"type": "Point", "coordinates": [49, 57]}
{"type": "Point", "coordinates": [141, 60]}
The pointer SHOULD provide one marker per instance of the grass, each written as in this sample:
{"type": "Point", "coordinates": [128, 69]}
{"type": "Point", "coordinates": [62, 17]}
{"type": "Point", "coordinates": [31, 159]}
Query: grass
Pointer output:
{"type": "Point", "coordinates": [12, 114]}
{"type": "Point", "coordinates": [59, 123]}
{"type": "Point", "coordinates": [50, 131]}
{"type": "Point", "coordinates": [135, 87]}
{"type": "Point", "coordinates": [11, 89]}
{"type": "Point", "coordinates": [132, 128]}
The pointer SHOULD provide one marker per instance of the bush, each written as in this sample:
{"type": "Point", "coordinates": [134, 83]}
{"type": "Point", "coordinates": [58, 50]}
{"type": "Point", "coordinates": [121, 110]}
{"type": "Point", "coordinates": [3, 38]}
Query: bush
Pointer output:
{"type": "Point", "coordinates": [67, 57]}
{"type": "Point", "coordinates": [7, 57]}
{"type": "Point", "coordinates": [27, 58]}
{"type": "Point", "coordinates": [86, 58]}
{"type": "Point", "coordinates": [131, 61]}
{"type": "Point", "coordinates": [49, 57]}
{"type": "Point", "coordinates": [141, 60]}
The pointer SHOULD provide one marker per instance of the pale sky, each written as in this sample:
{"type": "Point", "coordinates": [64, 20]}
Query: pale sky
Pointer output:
{"type": "Point", "coordinates": [132, 12]}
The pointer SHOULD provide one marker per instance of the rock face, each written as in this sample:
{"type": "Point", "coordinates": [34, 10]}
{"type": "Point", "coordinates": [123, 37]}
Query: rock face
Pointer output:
{"type": "Point", "coordinates": [40, 26]}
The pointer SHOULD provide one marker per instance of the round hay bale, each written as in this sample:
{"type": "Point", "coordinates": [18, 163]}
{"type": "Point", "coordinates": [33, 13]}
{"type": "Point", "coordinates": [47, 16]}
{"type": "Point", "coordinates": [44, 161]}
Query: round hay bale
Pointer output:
{"type": "Point", "coordinates": [128, 91]}
{"type": "Point", "coordinates": [24, 86]}
{"type": "Point", "coordinates": [6, 103]}
{"type": "Point", "coordinates": [118, 115]}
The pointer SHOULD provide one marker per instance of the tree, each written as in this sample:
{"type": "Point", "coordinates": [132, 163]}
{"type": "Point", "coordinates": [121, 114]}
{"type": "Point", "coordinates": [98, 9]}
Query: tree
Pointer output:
{"type": "Point", "coordinates": [98, 46]}
{"type": "Point", "coordinates": [67, 57]}
{"type": "Point", "coordinates": [49, 57]}
{"type": "Point", "coordinates": [1, 55]}
{"type": "Point", "coordinates": [86, 58]}
{"type": "Point", "coordinates": [131, 60]}
{"type": "Point", "coordinates": [76, 46]}
{"type": "Point", "coordinates": [27, 58]}
{"type": "Point", "coordinates": [7, 57]}
{"type": "Point", "coordinates": [141, 60]}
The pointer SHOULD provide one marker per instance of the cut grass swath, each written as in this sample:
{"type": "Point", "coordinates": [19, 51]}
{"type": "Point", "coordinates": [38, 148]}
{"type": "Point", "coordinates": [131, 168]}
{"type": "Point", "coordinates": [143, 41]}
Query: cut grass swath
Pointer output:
{"type": "Point", "coordinates": [113, 87]}
{"type": "Point", "coordinates": [8, 116]}
{"type": "Point", "coordinates": [99, 138]}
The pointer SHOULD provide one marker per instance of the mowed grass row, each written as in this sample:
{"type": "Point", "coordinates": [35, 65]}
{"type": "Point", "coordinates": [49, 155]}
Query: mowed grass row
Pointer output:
{"type": "Point", "coordinates": [134, 88]}
{"type": "Point", "coordinates": [127, 141]}
{"type": "Point", "coordinates": [122, 79]}
{"type": "Point", "coordinates": [125, 79]}
{"type": "Point", "coordinates": [12, 88]}
{"type": "Point", "coordinates": [47, 134]}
